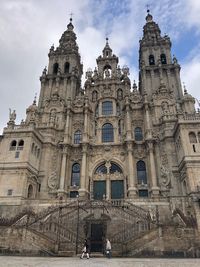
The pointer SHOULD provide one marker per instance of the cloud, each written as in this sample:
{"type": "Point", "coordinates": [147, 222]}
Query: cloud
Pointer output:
{"type": "Point", "coordinates": [191, 76]}
{"type": "Point", "coordinates": [28, 28]}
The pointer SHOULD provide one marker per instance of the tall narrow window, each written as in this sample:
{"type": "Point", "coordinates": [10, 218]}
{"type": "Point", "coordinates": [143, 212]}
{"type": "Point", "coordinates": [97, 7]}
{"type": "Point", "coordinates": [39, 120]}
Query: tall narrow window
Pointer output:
{"type": "Point", "coordinates": [77, 137]}
{"type": "Point", "coordinates": [151, 60]}
{"type": "Point", "coordinates": [30, 191]}
{"type": "Point", "coordinates": [192, 137]}
{"type": "Point", "coordinates": [163, 59]}
{"type": "Point", "coordinates": [55, 68]}
{"type": "Point", "coordinates": [107, 108]}
{"type": "Point", "coordinates": [13, 145]}
{"type": "Point", "coordinates": [95, 129]}
{"type": "Point", "coordinates": [75, 177]}
{"type": "Point", "coordinates": [107, 133]}
{"type": "Point", "coordinates": [66, 68]}
{"type": "Point", "coordinates": [138, 134]}
{"type": "Point", "coordinates": [141, 172]}
{"type": "Point", "coordinates": [119, 127]}
{"type": "Point", "coordinates": [20, 145]}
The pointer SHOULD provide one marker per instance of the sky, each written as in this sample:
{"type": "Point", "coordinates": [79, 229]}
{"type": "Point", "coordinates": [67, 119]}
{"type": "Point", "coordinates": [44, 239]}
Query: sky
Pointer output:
{"type": "Point", "coordinates": [28, 28]}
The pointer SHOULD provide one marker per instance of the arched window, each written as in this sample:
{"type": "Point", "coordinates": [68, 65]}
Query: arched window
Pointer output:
{"type": "Point", "coordinates": [75, 177]}
{"type": "Point", "coordinates": [138, 134]}
{"type": "Point", "coordinates": [119, 94]}
{"type": "Point", "coordinates": [192, 137]}
{"type": "Point", "coordinates": [55, 68]}
{"type": "Point", "coordinates": [107, 108]}
{"type": "Point", "coordinates": [141, 172]}
{"type": "Point", "coordinates": [151, 60]}
{"type": "Point", "coordinates": [30, 191]}
{"type": "Point", "coordinates": [115, 168]}
{"type": "Point", "coordinates": [20, 145]}
{"type": "Point", "coordinates": [77, 137]}
{"type": "Point", "coordinates": [101, 169]}
{"type": "Point", "coordinates": [107, 133]}
{"type": "Point", "coordinates": [13, 145]}
{"type": "Point", "coordinates": [163, 59]}
{"type": "Point", "coordinates": [112, 169]}
{"type": "Point", "coordinates": [66, 68]}
{"type": "Point", "coordinates": [94, 96]}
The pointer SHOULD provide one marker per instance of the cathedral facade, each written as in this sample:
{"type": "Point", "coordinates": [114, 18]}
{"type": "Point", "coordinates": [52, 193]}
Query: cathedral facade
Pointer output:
{"type": "Point", "coordinates": [109, 141]}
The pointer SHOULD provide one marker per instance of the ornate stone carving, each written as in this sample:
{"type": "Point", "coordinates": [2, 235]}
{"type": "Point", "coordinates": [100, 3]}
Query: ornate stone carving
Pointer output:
{"type": "Point", "coordinates": [53, 181]}
{"type": "Point", "coordinates": [53, 177]}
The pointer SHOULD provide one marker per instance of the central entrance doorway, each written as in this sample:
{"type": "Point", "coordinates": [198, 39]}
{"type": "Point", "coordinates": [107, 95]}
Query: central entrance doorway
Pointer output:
{"type": "Point", "coordinates": [96, 238]}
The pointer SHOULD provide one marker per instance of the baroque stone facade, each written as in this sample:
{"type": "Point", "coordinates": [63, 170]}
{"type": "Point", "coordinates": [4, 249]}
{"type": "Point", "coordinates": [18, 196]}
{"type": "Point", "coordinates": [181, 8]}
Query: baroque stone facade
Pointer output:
{"type": "Point", "coordinates": [107, 141]}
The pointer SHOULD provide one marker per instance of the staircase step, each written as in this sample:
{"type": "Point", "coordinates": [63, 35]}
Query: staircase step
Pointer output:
{"type": "Point", "coordinates": [67, 253]}
{"type": "Point", "coordinates": [96, 255]}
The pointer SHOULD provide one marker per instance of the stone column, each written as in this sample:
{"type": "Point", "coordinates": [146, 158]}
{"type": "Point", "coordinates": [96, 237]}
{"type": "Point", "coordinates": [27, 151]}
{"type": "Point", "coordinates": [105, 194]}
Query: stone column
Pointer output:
{"type": "Point", "coordinates": [128, 119]}
{"type": "Point", "coordinates": [85, 133]}
{"type": "Point", "coordinates": [83, 190]}
{"type": "Point", "coordinates": [61, 190]}
{"type": "Point", "coordinates": [108, 193]}
{"type": "Point", "coordinates": [178, 80]}
{"type": "Point", "coordinates": [155, 188]}
{"type": "Point", "coordinates": [66, 135]}
{"type": "Point", "coordinates": [131, 173]}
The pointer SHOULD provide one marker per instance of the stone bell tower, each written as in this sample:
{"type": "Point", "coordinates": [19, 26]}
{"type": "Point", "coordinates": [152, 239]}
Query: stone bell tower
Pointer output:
{"type": "Point", "coordinates": [157, 68]}
{"type": "Point", "coordinates": [62, 80]}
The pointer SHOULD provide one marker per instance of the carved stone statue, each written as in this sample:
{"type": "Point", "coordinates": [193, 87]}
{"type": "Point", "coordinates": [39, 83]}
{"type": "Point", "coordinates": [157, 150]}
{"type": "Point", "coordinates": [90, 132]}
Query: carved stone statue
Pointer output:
{"type": "Point", "coordinates": [12, 115]}
{"type": "Point", "coordinates": [165, 176]}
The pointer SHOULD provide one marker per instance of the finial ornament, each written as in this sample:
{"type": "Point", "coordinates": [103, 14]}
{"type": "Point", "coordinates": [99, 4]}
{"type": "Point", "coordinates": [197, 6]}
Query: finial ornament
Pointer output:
{"type": "Point", "coordinates": [35, 99]}
{"type": "Point", "coordinates": [184, 88]}
{"type": "Point", "coordinates": [71, 14]}
{"type": "Point", "coordinates": [148, 9]}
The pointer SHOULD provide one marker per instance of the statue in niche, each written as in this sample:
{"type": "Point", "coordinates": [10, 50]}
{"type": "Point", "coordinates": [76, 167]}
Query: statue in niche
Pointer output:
{"type": "Point", "coordinates": [53, 181]}
{"type": "Point", "coordinates": [52, 116]}
{"type": "Point", "coordinates": [107, 73]}
{"type": "Point", "coordinates": [165, 108]}
{"type": "Point", "coordinates": [12, 115]}
{"type": "Point", "coordinates": [165, 176]}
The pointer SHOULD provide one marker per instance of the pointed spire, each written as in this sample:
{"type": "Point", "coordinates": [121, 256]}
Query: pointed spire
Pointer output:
{"type": "Point", "coordinates": [134, 86]}
{"type": "Point", "coordinates": [35, 99]}
{"type": "Point", "coordinates": [107, 51]}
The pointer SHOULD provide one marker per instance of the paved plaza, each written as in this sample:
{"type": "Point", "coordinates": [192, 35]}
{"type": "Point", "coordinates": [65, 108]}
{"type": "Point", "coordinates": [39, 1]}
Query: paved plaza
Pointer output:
{"type": "Point", "coordinates": [9, 261]}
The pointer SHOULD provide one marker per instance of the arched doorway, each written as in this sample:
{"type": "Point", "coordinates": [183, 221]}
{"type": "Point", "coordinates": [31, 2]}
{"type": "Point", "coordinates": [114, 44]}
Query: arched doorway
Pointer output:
{"type": "Point", "coordinates": [108, 182]}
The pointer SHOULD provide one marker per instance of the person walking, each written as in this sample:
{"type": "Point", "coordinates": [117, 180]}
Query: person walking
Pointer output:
{"type": "Point", "coordinates": [108, 249]}
{"type": "Point", "coordinates": [85, 250]}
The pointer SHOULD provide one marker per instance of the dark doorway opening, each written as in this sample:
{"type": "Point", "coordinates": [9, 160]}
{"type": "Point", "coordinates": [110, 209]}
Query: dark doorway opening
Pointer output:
{"type": "Point", "coordinates": [96, 238]}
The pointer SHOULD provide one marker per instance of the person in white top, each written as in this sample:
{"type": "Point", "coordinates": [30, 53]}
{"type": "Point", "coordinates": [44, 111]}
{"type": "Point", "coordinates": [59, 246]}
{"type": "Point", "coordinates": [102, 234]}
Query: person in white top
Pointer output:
{"type": "Point", "coordinates": [108, 249]}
